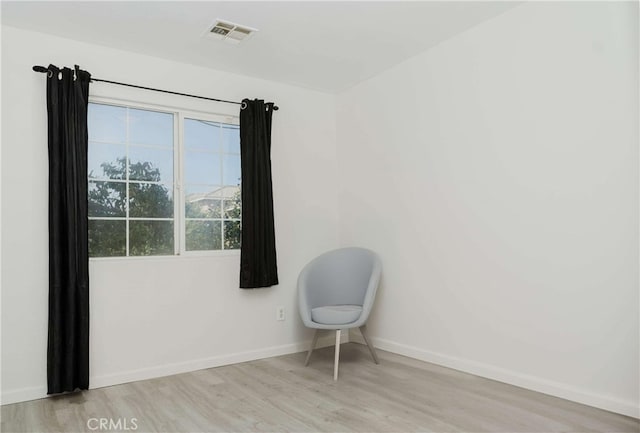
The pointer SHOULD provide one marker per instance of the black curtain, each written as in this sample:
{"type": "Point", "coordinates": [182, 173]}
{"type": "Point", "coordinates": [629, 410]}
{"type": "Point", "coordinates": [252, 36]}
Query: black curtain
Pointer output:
{"type": "Point", "coordinates": [68, 341]}
{"type": "Point", "coordinates": [258, 267]}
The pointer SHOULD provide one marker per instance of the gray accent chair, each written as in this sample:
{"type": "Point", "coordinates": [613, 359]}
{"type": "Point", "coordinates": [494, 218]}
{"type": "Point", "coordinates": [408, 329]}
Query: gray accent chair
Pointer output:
{"type": "Point", "coordinates": [336, 292]}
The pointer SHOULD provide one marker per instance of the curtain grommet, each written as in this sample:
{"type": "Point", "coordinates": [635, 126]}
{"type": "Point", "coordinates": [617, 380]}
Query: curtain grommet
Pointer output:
{"type": "Point", "coordinates": [243, 105]}
{"type": "Point", "coordinates": [49, 73]}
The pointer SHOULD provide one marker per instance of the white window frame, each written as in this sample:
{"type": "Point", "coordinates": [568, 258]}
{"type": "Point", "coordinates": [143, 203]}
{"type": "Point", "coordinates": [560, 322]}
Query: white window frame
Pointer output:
{"type": "Point", "coordinates": [179, 219]}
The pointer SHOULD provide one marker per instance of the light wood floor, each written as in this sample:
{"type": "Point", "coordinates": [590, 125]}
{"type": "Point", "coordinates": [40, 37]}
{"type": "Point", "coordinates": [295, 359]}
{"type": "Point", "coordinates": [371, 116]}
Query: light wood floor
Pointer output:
{"type": "Point", "coordinates": [280, 394]}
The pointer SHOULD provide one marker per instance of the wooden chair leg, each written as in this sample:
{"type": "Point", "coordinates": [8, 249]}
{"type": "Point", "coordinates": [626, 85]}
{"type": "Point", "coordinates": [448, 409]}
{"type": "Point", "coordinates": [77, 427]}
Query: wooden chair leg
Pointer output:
{"type": "Point", "coordinates": [337, 356]}
{"type": "Point", "coordinates": [363, 331]}
{"type": "Point", "coordinates": [313, 346]}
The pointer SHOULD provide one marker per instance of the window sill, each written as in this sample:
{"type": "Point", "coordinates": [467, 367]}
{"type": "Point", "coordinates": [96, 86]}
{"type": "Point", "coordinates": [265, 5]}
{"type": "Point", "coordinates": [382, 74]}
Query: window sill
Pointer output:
{"type": "Point", "coordinates": [188, 255]}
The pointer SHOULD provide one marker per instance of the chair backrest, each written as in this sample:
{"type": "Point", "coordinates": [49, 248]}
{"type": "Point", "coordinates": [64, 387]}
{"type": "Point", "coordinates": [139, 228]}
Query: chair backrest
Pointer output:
{"type": "Point", "coordinates": [341, 277]}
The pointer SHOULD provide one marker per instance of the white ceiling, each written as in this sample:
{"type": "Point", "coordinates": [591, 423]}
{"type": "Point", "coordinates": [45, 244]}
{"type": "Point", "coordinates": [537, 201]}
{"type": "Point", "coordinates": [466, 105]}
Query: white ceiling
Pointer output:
{"type": "Point", "coordinates": [328, 46]}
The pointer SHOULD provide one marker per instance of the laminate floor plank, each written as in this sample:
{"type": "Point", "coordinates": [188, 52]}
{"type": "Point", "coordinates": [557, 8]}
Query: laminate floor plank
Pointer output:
{"type": "Point", "coordinates": [282, 395]}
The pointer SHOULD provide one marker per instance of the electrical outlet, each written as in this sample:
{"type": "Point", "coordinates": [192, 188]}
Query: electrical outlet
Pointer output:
{"type": "Point", "coordinates": [280, 313]}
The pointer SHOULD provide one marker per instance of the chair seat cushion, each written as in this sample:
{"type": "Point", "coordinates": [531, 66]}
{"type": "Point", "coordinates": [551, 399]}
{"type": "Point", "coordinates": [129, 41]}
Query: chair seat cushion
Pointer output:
{"type": "Point", "coordinates": [336, 314]}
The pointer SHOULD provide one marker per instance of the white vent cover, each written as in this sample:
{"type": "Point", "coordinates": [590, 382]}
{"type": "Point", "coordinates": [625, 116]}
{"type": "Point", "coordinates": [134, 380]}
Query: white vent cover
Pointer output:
{"type": "Point", "coordinates": [230, 32]}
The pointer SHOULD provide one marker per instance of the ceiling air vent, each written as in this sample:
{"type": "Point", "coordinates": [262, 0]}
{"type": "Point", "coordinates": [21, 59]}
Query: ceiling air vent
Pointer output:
{"type": "Point", "coordinates": [230, 32]}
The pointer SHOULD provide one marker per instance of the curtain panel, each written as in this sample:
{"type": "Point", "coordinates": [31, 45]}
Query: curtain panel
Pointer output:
{"type": "Point", "coordinates": [258, 266]}
{"type": "Point", "coordinates": [68, 337]}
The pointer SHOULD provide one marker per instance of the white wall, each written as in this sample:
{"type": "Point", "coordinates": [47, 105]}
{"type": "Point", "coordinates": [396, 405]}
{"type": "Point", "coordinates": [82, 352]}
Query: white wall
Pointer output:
{"type": "Point", "coordinates": [155, 316]}
{"type": "Point", "coordinates": [497, 175]}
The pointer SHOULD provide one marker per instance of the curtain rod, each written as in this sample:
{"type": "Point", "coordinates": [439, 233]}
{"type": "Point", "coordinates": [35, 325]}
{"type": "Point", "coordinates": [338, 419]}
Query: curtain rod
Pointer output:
{"type": "Point", "coordinates": [42, 69]}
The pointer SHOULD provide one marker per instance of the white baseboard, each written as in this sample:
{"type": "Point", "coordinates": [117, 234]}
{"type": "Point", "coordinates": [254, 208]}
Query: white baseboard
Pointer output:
{"type": "Point", "coordinates": [545, 386]}
{"type": "Point", "coordinates": [23, 394]}
{"type": "Point", "coordinates": [556, 389]}
{"type": "Point", "coordinates": [37, 392]}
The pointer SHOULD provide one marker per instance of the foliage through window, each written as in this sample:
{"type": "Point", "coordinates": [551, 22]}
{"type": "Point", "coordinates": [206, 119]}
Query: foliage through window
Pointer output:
{"type": "Point", "coordinates": [156, 191]}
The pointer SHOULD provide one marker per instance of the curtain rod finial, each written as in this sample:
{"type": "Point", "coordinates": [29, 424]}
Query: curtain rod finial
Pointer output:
{"type": "Point", "coordinates": [38, 68]}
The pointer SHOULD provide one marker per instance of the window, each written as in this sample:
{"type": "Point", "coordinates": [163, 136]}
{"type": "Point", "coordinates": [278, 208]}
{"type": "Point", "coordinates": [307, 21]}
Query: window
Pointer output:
{"type": "Point", "coordinates": [161, 182]}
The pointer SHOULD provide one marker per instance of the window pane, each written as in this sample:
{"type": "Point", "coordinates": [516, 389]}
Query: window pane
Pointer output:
{"type": "Point", "coordinates": [231, 169]}
{"type": "Point", "coordinates": [107, 123]}
{"type": "Point", "coordinates": [150, 127]}
{"type": "Point", "coordinates": [147, 163]}
{"type": "Point", "coordinates": [231, 138]}
{"type": "Point", "coordinates": [203, 235]}
{"type": "Point", "coordinates": [106, 161]}
{"type": "Point", "coordinates": [203, 135]}
{"type": "Point", "coordinates": [212, 176]}
{"type": "Point", "coordinates": [107, 199]}
{"type": "Point", "coordinates": [233, 208]}
{"type": "Point", "coordinates": [231, 235]}
{"type": "Point", "coordinates": [202, 202]}
{"type": "Point", "coordinates": [150, 200]}
{"type": "Point", "coordinates": [202, 168]}
{"type": "Point", "coordinates": [150, 238]}
{"type": "Point", "coordinates": [107, 238]}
